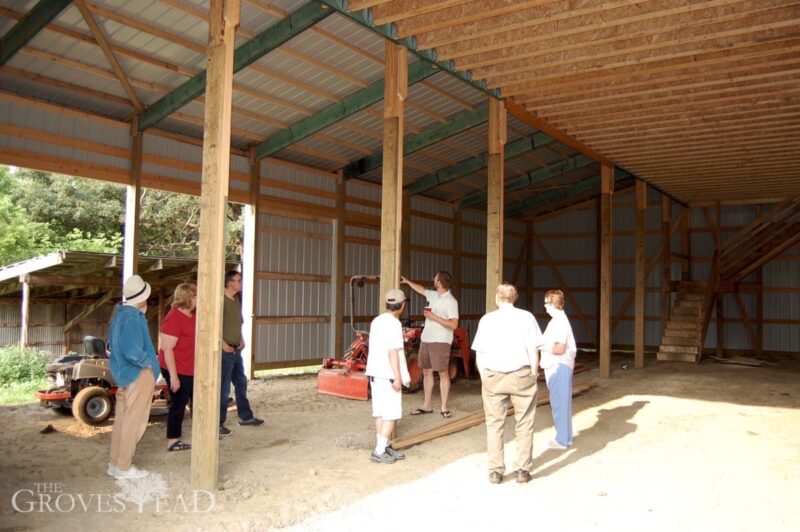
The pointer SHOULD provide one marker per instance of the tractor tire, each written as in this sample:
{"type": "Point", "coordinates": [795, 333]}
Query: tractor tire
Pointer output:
{"type": "Point", "coordinates": [415, 372]}
{"type": "Point", "coordinates": [92, 405]}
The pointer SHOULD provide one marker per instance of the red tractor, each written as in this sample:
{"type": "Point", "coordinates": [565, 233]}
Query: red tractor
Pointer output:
{"type": "Point", "coordinates": [346, 378]}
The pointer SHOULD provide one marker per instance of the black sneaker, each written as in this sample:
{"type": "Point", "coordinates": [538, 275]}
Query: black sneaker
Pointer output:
{"type": "Point", "coordinates": [252, 422]}
{"type": "Point", "coordinates": [224, 432]}
{"type": "Point", "coordinates": [397, 454]}
{"type": "Point", "coordinates": [384, 458]}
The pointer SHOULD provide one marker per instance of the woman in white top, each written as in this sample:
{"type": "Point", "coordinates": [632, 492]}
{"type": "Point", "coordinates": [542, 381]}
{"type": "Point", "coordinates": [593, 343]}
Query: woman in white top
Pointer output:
{"type": "Point", "coordinates": [558, 360]}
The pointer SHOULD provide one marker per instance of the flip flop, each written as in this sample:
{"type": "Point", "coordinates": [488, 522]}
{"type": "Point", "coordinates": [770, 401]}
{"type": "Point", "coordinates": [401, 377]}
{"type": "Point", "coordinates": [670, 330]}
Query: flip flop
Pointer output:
{"type": "Point", "coordinates": [446, 414]}
{"type": "Point", "coordinates": [179, 446]}
{"type": "Point", "coordinates": [420, 411]}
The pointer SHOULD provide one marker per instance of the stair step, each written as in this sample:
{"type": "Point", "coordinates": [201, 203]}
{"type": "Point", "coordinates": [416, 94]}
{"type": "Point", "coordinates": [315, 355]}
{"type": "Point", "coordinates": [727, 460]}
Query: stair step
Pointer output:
{"type": "Point", "coordinates": [679, 340]}
{"type": "Point", "coordinates": [691, 296]}
{"type": "Point", "coordinates": [678, 349]}
{"type": "Point", "coordinates": [675, 357]}
{"type": "Point", "coordinates": [686, 311]}
{"type": "Point", "coordinates": [683, 333]}
{"type": "Point", "coordinates": [683, 324]}
{"type": "Point", "coordinates": [680, 318]}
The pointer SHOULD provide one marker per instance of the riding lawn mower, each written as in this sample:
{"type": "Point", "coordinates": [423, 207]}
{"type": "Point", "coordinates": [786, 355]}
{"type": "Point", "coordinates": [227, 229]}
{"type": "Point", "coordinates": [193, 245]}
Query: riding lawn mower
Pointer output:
{"type": "Point", "coordinates": [346, 378]}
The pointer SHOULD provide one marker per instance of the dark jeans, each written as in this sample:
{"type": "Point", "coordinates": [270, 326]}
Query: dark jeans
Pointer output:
{"type": "Point", "coordinates": [177, 403]}
{"type": "Point", "coordinates": [233, 372]}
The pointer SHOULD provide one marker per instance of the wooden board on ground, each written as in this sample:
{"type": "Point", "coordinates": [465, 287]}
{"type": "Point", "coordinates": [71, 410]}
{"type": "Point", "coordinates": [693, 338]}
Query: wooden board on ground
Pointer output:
{"type": "Point", "coordinates": [742, 361]}
{"type": "Point", "coordinates": [471, 420]}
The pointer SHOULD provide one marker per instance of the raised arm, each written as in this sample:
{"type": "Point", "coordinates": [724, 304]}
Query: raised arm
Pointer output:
{"type": "Point", "coordinates": [418, 288]}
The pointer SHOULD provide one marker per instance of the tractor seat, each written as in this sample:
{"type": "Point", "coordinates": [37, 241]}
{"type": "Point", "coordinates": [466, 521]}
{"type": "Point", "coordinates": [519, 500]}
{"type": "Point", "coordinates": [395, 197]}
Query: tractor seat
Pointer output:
{"type": "Point", "coordinates": [94, 347]}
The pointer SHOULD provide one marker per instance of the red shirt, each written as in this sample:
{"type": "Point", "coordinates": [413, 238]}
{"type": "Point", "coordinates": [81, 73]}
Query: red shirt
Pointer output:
{"type": "Point", "coordinates": [182, 327]}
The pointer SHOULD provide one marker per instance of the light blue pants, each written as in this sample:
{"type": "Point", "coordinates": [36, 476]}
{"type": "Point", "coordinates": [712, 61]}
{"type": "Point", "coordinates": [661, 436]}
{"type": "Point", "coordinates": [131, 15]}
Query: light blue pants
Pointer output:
{"type": "Point", "coordinates": [559, 382]}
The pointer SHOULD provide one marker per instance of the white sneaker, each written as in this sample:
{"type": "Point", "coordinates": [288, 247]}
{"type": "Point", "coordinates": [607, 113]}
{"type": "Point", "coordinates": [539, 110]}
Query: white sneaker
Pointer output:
{"type": "Point", "coordinates": [553, 444]}
{"type": "Point", "coordinates": [130, 473]}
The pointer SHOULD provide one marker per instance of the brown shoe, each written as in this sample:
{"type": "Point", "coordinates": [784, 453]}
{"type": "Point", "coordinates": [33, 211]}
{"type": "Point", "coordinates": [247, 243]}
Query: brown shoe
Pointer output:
{"type": "Point", "coordinates": [523, 476]}
{"type": "Point", "coordinates": [495, 477]}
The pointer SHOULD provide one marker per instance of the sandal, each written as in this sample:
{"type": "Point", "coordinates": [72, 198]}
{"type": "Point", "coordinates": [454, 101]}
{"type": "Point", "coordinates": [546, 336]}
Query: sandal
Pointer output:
{"type": "Point", "coordinates": [179, 446]}
{"type": "Point", "coordinates": [446, 414]}
{"type": "Point", "coordinates": [420, 411]}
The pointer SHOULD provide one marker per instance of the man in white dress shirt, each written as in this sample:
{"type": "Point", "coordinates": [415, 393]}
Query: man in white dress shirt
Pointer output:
{"type": "Point", "coordinates": [508, 361]}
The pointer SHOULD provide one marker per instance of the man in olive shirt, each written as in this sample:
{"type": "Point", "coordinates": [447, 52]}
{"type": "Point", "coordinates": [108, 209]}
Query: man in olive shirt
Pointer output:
{"type": "Point", "coordinates": [232, 365]}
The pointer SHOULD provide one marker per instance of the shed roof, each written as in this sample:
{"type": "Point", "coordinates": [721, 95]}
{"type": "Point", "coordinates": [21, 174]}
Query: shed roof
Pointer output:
{"type": "Point", "coordinates": [697, 98]}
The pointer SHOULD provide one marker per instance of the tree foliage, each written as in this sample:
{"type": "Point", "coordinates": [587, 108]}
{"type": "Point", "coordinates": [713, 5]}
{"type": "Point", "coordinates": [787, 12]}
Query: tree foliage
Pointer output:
{"type": "Point", "coordinates": [42, 212]}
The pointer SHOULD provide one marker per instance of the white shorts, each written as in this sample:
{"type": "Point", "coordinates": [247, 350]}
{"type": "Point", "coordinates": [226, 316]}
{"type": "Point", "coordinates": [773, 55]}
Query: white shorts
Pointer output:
{"type": "Point", "coordinates": [387, 404]}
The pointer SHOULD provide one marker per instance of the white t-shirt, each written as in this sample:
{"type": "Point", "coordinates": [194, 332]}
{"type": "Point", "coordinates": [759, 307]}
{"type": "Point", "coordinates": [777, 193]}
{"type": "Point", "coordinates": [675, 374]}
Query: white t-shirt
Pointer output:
{"type": "Point", "coordinates": [446, 307]}
{"type": "Point", "coordinates": [507, 339]}
{"type": "Point", "coordinates": [559, 330]}
{"type": "Point", "coordinates": [385, 332]}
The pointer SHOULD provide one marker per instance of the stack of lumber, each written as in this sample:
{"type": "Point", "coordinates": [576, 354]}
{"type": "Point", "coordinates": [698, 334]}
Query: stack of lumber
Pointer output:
{"type": "Point", "coordinates": [471, 420]}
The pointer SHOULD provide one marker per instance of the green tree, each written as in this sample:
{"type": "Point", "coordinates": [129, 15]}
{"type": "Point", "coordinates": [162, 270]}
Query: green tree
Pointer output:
{"type": "Point", "coordinates": [63, 212]}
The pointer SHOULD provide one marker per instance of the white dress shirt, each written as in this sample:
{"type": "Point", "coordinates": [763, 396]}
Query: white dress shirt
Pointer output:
{"type": "Point", "coordinates": [507, 339]}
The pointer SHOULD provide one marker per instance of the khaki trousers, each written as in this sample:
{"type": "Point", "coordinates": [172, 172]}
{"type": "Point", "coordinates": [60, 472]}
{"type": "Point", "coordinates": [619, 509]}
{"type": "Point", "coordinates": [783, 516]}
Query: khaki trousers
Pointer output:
{"type": "Point", "coordinates": [498, 389]}
{"type": "Point", "coordinates": [130, 418]}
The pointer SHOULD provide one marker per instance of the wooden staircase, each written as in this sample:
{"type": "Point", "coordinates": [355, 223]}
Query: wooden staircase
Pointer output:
{"type": "Point", "coordinates": [747, 250]}
{"type": "Point", "coordinates": [682, 336]}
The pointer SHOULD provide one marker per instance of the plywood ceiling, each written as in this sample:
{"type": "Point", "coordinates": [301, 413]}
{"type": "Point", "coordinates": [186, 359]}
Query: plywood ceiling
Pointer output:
{"type": "Point", "coordinates": [699, 97]}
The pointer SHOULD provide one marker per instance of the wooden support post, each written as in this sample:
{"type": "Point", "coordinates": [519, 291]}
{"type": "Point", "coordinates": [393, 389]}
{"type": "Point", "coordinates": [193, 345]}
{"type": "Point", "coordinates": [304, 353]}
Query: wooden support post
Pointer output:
{"type": "Point", "coordinates": [758, 338]}
{"type": "Point", "coordinates": [495, 200]}
{"type": "Point", "coordinates": [25, 311]}
{"type": "Point", "coordinates": [250, 253]}
{"type": "Point", "coordinates": [405, 239]}
{"type": "Point", "coordinates": [666, 257]}
{"type": "Point", "coordinates": [223, 18]}
{"type": "Point", "coordinates": [530, 228]}
{"type": "Point", "coordinates": [133, 195]}
{"type": "Point", "coordinates": [457, 215]}
{"type": "Point", "coordinates": [640, 288]}
{"type": "Point", "coordinates": [606, 248]}
{"type": "Point", "coordinates": [395, 92]}
{"type": "Point", "coordinates": [686, 246]}
{"type": "Point", "coordinates": [337, 270]}
{"type": "Point", "coordinates": [720, 325]}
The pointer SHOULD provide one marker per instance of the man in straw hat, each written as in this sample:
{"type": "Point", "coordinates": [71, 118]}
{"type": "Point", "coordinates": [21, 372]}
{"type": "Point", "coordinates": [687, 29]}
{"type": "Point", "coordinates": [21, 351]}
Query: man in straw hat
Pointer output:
{"type": "Point", "coordinates": [134, 366]}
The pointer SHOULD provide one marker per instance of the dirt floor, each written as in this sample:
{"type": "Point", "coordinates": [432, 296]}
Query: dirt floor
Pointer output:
{"type": "Point", "coordinates": [674, 446]}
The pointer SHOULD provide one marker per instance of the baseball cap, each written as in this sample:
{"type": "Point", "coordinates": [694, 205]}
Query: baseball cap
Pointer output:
{"type": "Point", "coordinates": [395, 296]}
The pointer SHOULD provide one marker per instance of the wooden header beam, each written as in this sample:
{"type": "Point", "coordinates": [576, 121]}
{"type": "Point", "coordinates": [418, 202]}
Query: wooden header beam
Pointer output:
{"type": "Point", "coordinates": [251, 51]}
{"type": "Point", "coordinates": [29, 26]}
{"type": "Point", "coordinates": [337, 111]}
{"type": "Point", "coordinates": [473, 164]}
{"type": "Point", "coordinates": [457, 124]}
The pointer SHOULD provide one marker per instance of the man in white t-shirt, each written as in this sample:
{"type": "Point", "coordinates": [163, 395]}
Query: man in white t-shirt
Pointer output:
{"type": "Point", "coordinates": [441, 319]}
{"type": "Point", "coordinates": [387, 372]}
{"type": "Point", "coordinates": [508, 361]}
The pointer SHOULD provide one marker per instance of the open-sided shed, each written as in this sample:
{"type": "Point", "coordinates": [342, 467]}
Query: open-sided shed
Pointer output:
{"type": "Point", "coordinates": [625, 151]}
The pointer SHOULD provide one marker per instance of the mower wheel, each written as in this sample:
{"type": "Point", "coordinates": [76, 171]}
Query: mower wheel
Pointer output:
{"type": "Point", "coordinates": [415, 372]}
{"type": "Point", "coordinates": [92, 405]}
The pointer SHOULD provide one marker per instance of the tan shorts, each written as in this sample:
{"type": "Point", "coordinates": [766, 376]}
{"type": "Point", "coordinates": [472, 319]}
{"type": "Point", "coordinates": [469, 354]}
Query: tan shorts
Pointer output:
{"type": "Point", "coordinates": [434, 355]}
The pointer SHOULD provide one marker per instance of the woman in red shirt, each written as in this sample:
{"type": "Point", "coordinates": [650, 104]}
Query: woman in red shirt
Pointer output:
{"type": "Point", "coordinates": [176, 358]}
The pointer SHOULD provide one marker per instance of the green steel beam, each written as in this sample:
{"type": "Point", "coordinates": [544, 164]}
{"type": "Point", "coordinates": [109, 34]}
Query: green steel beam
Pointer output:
{"type": "Point", "coordinates": [254, 49]}
{"type": "Point", "coordinates": [389, 31]}
{"type": "Point", "coordinates": [431, 181]}
{"type": "Point", "coordinates": [29, 25]}
{"type": "Point", "coordinates": [459, 123]}
{"type": "Point", "coordinates": [337, 111]}
{"type": "Point", "coordinates": [532, 204]}
{"type": "Point", "coordinates": [531, 178]}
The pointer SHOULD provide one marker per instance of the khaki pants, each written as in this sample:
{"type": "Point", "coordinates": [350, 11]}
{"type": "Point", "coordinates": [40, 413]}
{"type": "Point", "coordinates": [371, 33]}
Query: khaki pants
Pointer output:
{"type": "Point", "coordinates": [519, 387]}
{"type": "Point", "coordinates": [130, 418]}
